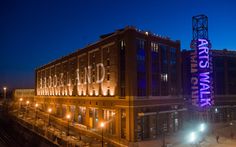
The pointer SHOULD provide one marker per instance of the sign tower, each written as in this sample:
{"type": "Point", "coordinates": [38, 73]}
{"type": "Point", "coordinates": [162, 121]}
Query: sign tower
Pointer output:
{"type": "Point", "coordinates": [201, 68]}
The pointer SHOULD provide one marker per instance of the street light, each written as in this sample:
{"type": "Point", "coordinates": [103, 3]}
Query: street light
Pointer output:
{"type": "Point", "coordinates": [202, 127]}
{"type": "Point", "coordinates": [49, 111]}
{"type": "Point", "coordinates": [5, 92]}
{"type": "Point", "coordinates": [192, 137]}
{"type": "Point", "coordinates": [20, 100]}
{"type": "Point", "coordinates": [102, 125]}
{"type": "Point", "coordinates": [36, 106]}
{"type": "Point", "coordinates": [27, 103]}
{"type": "Point", "coordinates": [68, 118]}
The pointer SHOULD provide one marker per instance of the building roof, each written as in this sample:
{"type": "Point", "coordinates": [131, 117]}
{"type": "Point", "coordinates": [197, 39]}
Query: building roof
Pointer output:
{"type": "Point", "coordinates": [109, 35]}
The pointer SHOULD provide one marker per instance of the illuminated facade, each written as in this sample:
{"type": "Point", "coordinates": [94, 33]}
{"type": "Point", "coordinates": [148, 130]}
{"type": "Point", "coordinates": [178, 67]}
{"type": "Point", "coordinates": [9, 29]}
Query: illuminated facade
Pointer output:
{"type": "Point", "coordinates": [129, 78]}
{"type": "Point", "coordinates": [27, 94]}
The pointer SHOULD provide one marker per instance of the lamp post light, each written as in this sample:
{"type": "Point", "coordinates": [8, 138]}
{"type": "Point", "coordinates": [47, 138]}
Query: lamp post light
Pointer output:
{"type": "Point", "coordinates": [102, 125]}
{"type": "Point", "coordinates": [193, 137]}
{"type": "Point", "coordinates": [20, 100]}
{"type": "Point", "coordinates": [202, 127]}
{"type": "Point", "coordinates": [49, 112]}
{"type": "Point", "coordinates": [36, 106]}
{"type": "Point", "coordinates": [5, 92]}
{"type": "Point", "coordinates": [68, 127]}
{"type": "Point", "coordinates": [27, 104]}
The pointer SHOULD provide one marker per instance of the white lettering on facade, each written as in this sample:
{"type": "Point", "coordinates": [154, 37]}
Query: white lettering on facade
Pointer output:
{"type": "Point", "coordinates": [64, 85]}
{"type": "Point", "coordinates": [101, 67]}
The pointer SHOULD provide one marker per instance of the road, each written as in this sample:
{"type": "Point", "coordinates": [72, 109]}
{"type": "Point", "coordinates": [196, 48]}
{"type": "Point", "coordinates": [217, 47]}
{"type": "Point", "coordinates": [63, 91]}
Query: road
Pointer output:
{"type": "Point", "coordinates": [59, 127]}
{"type": "Point", "coordinates": [7, 138]}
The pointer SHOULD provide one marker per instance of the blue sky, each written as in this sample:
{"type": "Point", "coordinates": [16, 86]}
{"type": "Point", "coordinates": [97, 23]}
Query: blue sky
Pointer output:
{"type": "Point", "coordinates": [35, 32]}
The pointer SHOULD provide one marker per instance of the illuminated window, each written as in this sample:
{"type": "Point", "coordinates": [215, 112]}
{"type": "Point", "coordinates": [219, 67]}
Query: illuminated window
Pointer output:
{"type": "Point", "coordinates": [122, 45]}
{"type": "Point", "coordinates": [154, 47]}
{"type": "Point", "coordinates": [164, 77]}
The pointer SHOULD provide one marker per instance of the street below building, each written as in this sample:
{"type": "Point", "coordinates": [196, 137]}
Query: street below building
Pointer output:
{"type": "Point", "coordinates": [60, 132]}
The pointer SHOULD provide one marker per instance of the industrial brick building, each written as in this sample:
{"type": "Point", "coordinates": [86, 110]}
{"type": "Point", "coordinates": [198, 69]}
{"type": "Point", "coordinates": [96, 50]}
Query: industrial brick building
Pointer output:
{"type": "Point", "coordinates": [130, 79]}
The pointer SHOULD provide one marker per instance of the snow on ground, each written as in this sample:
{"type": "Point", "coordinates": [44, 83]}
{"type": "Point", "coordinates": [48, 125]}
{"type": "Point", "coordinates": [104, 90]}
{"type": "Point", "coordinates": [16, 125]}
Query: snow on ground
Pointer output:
{"type": "Point", "coordinates": [223, 130]}
{"type": "Point", "coordinates": [210, 141]}
{"type": "Point", "coordinates": [223, 142]}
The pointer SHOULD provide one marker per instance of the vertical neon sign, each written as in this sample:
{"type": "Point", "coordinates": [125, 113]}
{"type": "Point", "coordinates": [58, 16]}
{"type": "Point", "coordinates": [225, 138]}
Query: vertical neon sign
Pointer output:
{"type": "Point", "coordinates": [201, 70]}
{"type": "Point", "coordinates": [204, 73]}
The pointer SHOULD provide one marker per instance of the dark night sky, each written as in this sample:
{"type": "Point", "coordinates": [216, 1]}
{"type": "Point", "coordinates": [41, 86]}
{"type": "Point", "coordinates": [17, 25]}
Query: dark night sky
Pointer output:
{"type": "Point", "coordinates": [35, 32]}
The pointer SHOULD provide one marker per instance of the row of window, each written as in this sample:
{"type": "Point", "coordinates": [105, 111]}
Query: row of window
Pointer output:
{"type": "Point", "coordinates": [158, 87]}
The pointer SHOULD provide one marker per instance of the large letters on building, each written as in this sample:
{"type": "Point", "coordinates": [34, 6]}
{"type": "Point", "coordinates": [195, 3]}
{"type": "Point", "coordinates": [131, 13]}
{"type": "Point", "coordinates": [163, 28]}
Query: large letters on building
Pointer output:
{"type": "Point", "coordinates": [201, 71]}
{"type": "Point", "coordinates": [62, 84]}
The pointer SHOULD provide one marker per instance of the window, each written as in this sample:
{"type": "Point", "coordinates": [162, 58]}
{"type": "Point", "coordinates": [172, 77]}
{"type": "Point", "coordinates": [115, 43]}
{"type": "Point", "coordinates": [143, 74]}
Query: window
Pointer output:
{"type": "Point", "coordinates": [123, 123]}
{"type": "Point", "coordinates": [164, 70]}
{"type": "Point", "coordinates": [164, 77]}
{"type": "Point", "coordinates": [122, 68]}
{"type": "Point", "coordinates": [154, 69]}
{"type": "Point", "coordinates": [173, 71]}
{"type": "Point", "coordinates": [108, 76]}
{"type": "Point", "coordinates": [108, 92]}
{"type": "Point", "coordinates": [154, 47]}
{"type": "Point", "coordinates": [93, 79]}
{"type": "Point", "coordinates": [108, 62]}
{"type": "Point", "coordinates": [141, 68]}
{"type": "Point", "coordinates": [219, 76]}
{"type": "Point", "coordinates": [122, 45]}
{"type": "Point", "coordinates": [172, 56]}
{"type": "Point", "coordinates": [231, 75]}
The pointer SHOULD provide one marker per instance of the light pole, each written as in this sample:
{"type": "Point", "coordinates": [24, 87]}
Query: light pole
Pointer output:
{"type": "Point", "coordinates": [102, 126]}
{"type": "Point", "coordinates": [20, 100]}
{"type": "Point", "coordinates": [49, 112]}
{"type": "Point", "coordinates": [36, 106]}
{"type": "Point", "coordinates": [163, 134]}
{"type": "Point", "coordinates": [27, 103]}
{"type": "Point", "coordinates": [5, 92]}
{"type": "Point", "coordinates": [68, 127]}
